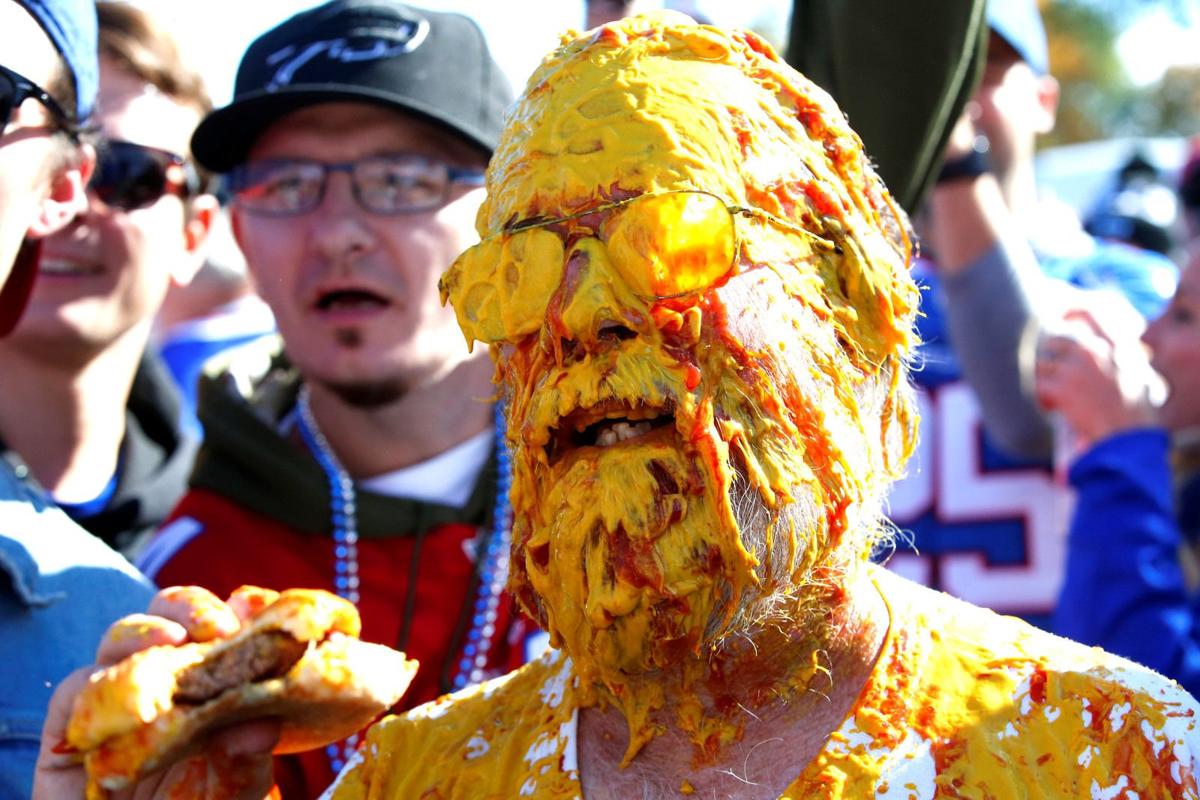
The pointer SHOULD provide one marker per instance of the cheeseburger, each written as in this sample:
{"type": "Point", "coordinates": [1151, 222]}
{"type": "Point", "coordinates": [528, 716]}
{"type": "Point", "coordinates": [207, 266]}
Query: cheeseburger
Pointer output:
{"type": "Point", "coordinates": [296, 658]}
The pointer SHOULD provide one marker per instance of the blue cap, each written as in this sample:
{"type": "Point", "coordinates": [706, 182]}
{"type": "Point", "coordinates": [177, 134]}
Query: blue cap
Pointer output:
{"type": "Point", "coordinates": [1019, 23]}
{"type": "Point", "coordinates": [71, 27]}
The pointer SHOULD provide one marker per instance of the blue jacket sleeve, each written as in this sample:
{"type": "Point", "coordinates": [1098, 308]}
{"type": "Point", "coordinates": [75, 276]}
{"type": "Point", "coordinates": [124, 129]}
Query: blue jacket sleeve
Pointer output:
{"type": "Point", "coordinates": [1124, 586]}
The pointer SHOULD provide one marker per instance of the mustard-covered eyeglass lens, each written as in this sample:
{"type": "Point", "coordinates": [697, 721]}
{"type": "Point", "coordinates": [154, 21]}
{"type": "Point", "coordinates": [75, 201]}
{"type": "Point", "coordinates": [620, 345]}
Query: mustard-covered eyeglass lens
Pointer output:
{"type": "Point", "coordinates": [667, 245]}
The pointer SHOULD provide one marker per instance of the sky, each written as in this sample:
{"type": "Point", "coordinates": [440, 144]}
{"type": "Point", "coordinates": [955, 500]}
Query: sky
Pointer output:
{"type": "Point", "coordinates": [213, 34]}
{"type": "Point", "coordinates": [1155, 42]}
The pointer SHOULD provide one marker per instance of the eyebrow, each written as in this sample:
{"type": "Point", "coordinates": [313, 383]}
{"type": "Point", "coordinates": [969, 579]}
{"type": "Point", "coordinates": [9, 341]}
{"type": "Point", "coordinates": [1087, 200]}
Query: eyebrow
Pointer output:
{"type": "Point", "coordinates": [1183, 299]}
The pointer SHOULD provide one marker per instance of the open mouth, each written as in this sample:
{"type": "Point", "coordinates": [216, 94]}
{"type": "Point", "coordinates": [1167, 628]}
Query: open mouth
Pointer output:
{"type": "Point", "coordinates": [607, 425]}
{"type": "Point", "coordinates": [350, 300]}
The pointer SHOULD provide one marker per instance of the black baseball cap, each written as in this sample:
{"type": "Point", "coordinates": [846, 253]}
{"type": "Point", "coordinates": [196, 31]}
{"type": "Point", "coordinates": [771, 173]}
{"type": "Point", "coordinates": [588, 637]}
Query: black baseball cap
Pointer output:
{"type": "Point", "coordinates": [433, 64]}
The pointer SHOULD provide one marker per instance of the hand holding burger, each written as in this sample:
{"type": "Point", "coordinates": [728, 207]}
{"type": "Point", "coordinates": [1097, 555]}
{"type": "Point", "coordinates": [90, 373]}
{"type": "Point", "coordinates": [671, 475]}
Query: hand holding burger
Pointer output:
{"type": "Point", "coordinates": [177, 680]}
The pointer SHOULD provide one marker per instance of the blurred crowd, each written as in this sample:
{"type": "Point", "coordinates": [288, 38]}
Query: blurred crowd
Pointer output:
{"type": "Point", "coordinates": [233, 365]}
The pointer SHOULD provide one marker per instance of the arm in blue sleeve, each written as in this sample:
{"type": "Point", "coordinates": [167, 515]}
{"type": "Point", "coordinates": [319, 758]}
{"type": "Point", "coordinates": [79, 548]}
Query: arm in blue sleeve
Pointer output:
{"type": "Point", "coordinates": [1124, 588]}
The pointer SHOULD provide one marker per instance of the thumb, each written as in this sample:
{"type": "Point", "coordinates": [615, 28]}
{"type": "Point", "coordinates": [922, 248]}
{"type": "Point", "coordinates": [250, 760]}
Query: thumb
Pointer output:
{"type": "Point", "coordinates": [59, 771]}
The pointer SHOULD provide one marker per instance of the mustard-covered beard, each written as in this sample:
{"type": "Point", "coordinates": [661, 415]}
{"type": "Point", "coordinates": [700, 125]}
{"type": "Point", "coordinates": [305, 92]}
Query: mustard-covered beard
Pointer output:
{"type": "Point", "coordinates": [654, 588]}
{"type": "Point", "coordinates": [658, 549]}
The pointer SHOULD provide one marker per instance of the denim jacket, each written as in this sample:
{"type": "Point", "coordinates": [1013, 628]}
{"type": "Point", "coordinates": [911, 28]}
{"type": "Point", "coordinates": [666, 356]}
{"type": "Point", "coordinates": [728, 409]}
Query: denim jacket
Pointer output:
{"type": "Point", "coordinates": [60, 589]}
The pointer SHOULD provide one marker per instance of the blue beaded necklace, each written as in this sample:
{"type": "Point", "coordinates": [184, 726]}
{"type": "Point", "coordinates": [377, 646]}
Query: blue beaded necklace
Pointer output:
{"type": "Point", "coordinates": [493, 568]}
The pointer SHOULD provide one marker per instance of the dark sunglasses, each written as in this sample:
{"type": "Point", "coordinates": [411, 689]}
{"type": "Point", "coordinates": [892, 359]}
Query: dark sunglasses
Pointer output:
{"type": "Point", "coordinates": [15, 89]}
{"type": "Point", "coordinates": [130, 176]}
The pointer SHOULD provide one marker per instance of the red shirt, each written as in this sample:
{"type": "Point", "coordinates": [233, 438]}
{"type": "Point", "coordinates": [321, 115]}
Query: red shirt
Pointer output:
{"type": "Point", "coordinates": [215, 543]}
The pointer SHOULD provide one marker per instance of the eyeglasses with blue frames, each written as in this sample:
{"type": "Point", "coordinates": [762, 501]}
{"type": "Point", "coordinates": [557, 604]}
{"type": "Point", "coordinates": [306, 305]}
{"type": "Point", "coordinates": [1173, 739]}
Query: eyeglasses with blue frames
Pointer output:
{"type": "Point", "coordinates": [392, 183]}
{"type": "Point", "coordinates": [15, 89]}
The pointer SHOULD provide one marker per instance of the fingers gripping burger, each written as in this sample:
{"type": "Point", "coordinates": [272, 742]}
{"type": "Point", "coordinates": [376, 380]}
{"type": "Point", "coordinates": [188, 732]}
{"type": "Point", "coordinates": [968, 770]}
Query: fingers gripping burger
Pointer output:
{"type": "Point", "coordinates": [297, 658]}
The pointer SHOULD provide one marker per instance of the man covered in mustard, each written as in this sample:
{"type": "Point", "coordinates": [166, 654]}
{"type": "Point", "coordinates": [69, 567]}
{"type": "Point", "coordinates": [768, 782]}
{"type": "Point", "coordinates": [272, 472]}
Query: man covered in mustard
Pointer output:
{"type": "Point", "coordinates": [697, 294]}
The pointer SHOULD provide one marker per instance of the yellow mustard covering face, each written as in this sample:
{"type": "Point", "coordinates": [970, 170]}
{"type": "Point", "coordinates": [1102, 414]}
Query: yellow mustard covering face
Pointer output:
{"type": "Point", "coordinates": [764, 382]}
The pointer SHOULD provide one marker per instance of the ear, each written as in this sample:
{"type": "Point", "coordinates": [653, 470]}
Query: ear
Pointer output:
{"type": "Point", "coordinates": [235, 225]}
{"type": "Point", "coordinates": [67, 198]}
{"type": "Point", "coordinates": [1048, 93]}
{"type": "Point", "coordinates": [201, 211]}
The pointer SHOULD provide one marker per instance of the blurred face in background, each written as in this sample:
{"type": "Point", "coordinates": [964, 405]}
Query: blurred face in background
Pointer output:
{"type": "Point", "coordinates": [1174, 340]}
{"type": "Point", "coordinates": [106, 274]}
{"type": "Point", "coordinates": [1012, 107]}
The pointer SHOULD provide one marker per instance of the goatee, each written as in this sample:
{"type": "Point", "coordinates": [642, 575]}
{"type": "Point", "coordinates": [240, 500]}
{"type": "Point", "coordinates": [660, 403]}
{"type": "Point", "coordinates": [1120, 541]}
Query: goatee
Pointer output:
{"type": "Point", "coordinates": [368, 395]}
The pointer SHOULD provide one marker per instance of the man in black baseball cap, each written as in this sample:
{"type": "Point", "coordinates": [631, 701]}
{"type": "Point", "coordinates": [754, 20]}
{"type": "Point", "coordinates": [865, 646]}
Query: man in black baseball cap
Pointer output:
{"type": "Point", "coordinates": [364, 459]}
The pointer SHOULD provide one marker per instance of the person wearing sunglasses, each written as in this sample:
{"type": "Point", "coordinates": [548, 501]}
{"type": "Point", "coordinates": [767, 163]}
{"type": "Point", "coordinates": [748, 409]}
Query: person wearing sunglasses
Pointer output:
{"type": "Point", "coordinates": [60, 586]}
{"type": "Point", "coordinates": [44, 95]}
{"type": "Point", "coordinates": [91, 409]}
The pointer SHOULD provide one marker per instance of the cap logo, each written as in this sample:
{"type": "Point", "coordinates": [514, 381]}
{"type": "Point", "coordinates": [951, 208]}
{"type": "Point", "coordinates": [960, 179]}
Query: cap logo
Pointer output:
{"type": "Point", "coordinates": [405, 37]}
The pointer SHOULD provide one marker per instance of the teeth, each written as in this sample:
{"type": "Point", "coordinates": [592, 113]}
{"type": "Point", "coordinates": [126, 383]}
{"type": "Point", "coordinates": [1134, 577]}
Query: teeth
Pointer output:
{"type": "Point", "coordinates": [620, 432]}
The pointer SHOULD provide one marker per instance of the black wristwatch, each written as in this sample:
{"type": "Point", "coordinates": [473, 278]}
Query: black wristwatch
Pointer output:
{"type": "Point", "coordinates": [969, 166]}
